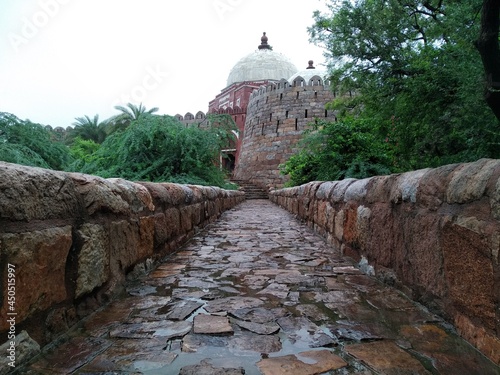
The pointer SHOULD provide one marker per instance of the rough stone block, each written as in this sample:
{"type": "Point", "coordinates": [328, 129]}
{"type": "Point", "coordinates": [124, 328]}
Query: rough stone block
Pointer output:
{"type": "Point", "coordinates": [28, 194]}
{"type": "Point", "coordinates": [40, 260]}
{"type": "Point", "coordinates": [99, 195]}
{"type": "Point", "coordinates": [406, 186]}
{"type": "Point", "coordinates": [469, 274]}
{"type": "Point", "coordinates": [93, 259]}
{"type": "Point", "coordinates": [136, 195]}
{"type": "Point", "coordinates": [469, 181]}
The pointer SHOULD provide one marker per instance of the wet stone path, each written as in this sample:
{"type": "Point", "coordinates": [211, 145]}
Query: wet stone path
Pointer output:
{"type": "Point", "coordinates": [260, 293]}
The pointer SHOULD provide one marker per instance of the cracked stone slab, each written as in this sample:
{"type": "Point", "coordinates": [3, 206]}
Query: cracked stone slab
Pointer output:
{"type": "Point", "coordinates": [232, 303]}
{"type": "Point", "coordinates": [386, 357]}
{"type": "Point", "coordinates": [167, 269]}
{"type": "Point", "coordinates": [304, 332]}
{"type": "Point", "coordinates": [305, 363]}
{"type": "Point", "coordinates": [248, 341]}
{"type": "Point", "coordinates": [182, 309]}
{"type": "Point", "coordinates": [191, 343]}
{"type": "Point", "coordinates": [277, 290]}
{"type": "Point", "coordinates": [166, 329]}
{"type": "Point", "coordinates": [132, 355]}
{"type": "Point", "coordinates": [72, 355]}
{"type": "Point", "coordinates": [211, 324]}
{"type": "Point", "coordinates": [260, 314]}
{"type": "Point", "coordinates": [259, 328]}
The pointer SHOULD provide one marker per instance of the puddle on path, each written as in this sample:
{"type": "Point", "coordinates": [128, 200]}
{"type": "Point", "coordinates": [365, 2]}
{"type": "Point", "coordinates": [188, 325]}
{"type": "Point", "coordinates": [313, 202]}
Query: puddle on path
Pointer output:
{"type": "Point", "coordinates": [272, 293]}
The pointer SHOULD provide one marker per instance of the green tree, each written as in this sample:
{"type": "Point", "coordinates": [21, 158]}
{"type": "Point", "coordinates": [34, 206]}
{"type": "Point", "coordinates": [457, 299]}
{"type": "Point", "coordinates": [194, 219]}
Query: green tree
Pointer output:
{"type": "Point", "coordinates": [488, 46]}
{"type": "Point", "coordinates": [416, 76]}
{"type": "Point", "coordinates": [160, 148]}
{"type": "Point", "coordinates": [27, 143]}
{"type": "Point", "coordinates": [338, 150]}
{"type": "Point", "coordinates": [89, 129]}
{"type": "Point", "coordinates": [129, 113]}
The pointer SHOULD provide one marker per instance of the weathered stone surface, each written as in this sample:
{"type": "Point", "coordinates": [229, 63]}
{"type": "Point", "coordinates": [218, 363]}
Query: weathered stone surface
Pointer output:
{"type": "Point", "coordinates": [482, 339]}
{"type": "Point", "coordinates": [304, 332]}
{"type": "Point", "coordinates": [93, 259]}
{"type": "Point", "coordinates": [432, 232]}
{"type": "Point", "coordinates": [182, 309]}
{"type": "Point", "coordinates": [132, 356]}
{"type": "Point", "coordinates": [406, 186]}
{"type": "Point", "coordinates": [277, 290]}
{"type": "Point", "coordinates": [470, 180]}
{"type": "Point", "coordinates": [357, 190]}
{"type": "Point", "coordinates": [193, 343]}
{"type": "Point", "coordinates": [205, 368]}
{"type": "Point", "coordinates": [250, 342]}
{"type": "Point", "coordinates": [305, 363]}
{"type": "Point", "coordinates": [39, 258]}
{"type": "Point", "coordinates": [164, 329]}
{"type": "Point", "coordinates": [72, 355]}
{"type": "Point", "coordinates": [99, 195]}
{"type": "Point", "coordinates": [363, 226]}
{"type": "Point", "coordinates": [387, 358]}
{"type": "Point", "coordinates": [325, 190]}
{"type": "Point", "coordinates": [259, 328]}
{"type": "Point", "coordinates": [469, 274]}
{"type": "Point", "coordinates": [259, 314]}
{"type": "Point", "coordinates": [25, 349]}
{"type": "Point", "coordinates": [332, 304]}
{"type": "Point", "coordinates": [213, 325]}
{"type": "Point", "coordinates": [232, 303]}
{"type": "Point", "coordinates": [124, 242]}
{"type": "Point", "coordinates": [28, 193]}
{"type": "Point", "coordinates": [137, 196]}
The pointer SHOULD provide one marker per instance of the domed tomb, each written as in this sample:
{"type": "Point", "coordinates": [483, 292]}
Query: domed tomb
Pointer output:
{"type": "Point", "coordinates": [263, 64]}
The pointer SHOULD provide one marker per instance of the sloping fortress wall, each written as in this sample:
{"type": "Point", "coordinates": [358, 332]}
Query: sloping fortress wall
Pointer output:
{"type": "Point", "coordinates": [72, 239]}
{"type": "Point", "coordinates": [277, 116]}
{"type": "Point", "coordinates": [435, 233]}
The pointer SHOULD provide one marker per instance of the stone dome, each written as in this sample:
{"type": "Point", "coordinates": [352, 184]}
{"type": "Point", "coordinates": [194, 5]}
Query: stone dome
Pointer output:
{"type": "Point", "coordinates": [308, 73]}
{"type": "Point", "coordinates": [263, 64]}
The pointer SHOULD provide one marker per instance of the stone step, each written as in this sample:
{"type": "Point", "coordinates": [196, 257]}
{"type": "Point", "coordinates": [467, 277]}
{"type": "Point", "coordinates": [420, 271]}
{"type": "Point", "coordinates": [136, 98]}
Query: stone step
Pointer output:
{"type": "Point", "coordinates": [252, 191]}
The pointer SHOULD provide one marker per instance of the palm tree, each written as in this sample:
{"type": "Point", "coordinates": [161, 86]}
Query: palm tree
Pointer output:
{"type": "Point", "coordinates": [128, 114]}
{"type": "Point", "coordinates": [90, 129]}
{"type": "Point", "coordinates": [134, 112]}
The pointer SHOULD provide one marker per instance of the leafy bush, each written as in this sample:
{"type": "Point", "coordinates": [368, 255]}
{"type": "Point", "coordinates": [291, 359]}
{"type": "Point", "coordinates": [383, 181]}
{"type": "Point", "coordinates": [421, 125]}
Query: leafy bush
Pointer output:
{"type": "Point", "coordinates": [160, 148]}
{"type": "Point", "coordinates": [24, 142]}
{"type": "Point", "coordinates": [338, 150]}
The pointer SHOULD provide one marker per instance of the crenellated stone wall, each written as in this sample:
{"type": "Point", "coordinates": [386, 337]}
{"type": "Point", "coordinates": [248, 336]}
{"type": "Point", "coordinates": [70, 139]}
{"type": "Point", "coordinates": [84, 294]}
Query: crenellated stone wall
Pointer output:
{"type": "Point", "coordinates": [435, 233]}
{"type": "Point", "coordinates": [73, 238]}
{"type": "Point", "coordinates": [277, 116]}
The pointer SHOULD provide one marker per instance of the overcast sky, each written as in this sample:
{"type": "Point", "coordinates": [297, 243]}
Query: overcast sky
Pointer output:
{"type": "Point", "coordinates": [61, 59]}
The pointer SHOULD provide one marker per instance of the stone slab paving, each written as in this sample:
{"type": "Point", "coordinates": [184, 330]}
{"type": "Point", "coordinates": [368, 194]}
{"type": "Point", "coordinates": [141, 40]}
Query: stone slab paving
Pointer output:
{"type": "Point", "coordinates": [260, 293]}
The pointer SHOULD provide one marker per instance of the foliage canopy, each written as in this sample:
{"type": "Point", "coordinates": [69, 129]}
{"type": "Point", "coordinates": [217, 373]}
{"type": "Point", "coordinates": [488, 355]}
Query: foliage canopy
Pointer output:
{"type": "Point", "coordinates": [417, 79]}
{"type": "Point", "coordinates": [27, 143]}
{"type": "Point", "coordinates": [160, 148]}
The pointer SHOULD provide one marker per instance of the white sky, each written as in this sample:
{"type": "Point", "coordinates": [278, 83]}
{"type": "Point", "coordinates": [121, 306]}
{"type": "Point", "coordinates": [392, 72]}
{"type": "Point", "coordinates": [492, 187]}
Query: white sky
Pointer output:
{"type": "Point", "coordinates": [61, 59]}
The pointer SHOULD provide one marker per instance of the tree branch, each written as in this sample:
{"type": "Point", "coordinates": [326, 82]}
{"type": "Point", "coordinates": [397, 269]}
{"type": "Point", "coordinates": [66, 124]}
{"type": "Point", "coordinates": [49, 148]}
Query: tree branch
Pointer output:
{"type": "Point", "coordinates": [488, 47]}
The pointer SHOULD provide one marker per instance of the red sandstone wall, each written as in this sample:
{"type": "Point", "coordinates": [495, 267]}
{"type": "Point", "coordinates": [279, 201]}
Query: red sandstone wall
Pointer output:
{"type": "Point", "coordinates": [74, 237]}
{"type": "Point", "coordinates": [435, 233]}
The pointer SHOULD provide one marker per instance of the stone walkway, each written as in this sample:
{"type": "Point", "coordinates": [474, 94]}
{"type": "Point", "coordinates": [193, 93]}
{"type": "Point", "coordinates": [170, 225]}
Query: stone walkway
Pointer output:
{"type": "Point", "coordinates": [259, 293]}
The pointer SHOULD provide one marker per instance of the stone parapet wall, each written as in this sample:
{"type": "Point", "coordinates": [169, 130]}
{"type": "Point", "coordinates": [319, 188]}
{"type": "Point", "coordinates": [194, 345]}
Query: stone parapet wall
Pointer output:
{"type": "Point", "coordinates": [277, 116]}
{"type": "Point", "coordinates": [73, 238]}
{"type": "Point", "coordinates": [435, 233]}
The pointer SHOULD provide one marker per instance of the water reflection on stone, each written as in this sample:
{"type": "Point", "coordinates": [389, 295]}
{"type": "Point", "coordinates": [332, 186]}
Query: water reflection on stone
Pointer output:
{"type": "Point", "coordinates": [259, 293]}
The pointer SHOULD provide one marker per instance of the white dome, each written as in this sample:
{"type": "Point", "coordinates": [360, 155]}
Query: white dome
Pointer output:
{"type": "Point", "coordinates": [263, 64]}
{"type": "Point", "coordinates": [308, 73]}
